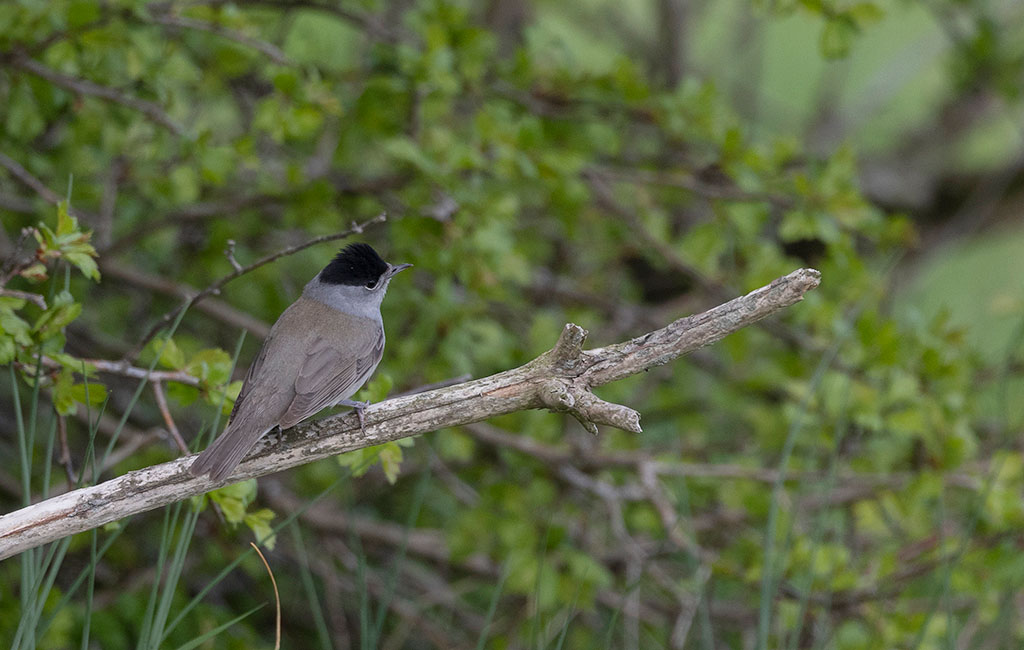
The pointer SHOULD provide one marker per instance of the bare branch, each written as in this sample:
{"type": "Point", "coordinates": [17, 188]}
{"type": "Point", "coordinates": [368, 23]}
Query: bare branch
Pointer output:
{"type": "Point", "coordinates": [691, 183]}
{"type": "Point", "coordinates": [694, 332]}
{"type": "Point", "coordinates": [25, 176]}
{"type": "Point", "coordinates": [212, 307]}
{"type": "Point", "coordinates": [506, 392]}
{"type": "Point", "coordinates": [14, 203]}
{"type": "Point", "coordinates": [190, 214]}
{"type": "Point", "coordinates": [90, 88]}
{"type": "Point", "coordinates": [15, 169]}
{"type": "Point", "coordinates": [64, 455]}
{"type": "Point", "coordinates": [566, 396]}
{"type": "Point", "coordinates": [34, 298]}
{"type": "Point", "coordinates": [165, 413]}
{"type": "Point", "coordinates": [367, 23]}
{"type": "Point", "coordinates": [125, 369]}
{"type": "Point", "coordinates": [229, 252]}
{"type": "Point", "coordinates": [270, 50]}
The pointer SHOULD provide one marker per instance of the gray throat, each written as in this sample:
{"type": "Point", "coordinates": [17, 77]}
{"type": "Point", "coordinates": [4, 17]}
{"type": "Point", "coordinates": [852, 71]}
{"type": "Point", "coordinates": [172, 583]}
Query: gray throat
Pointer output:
{"type": "Point", "coordinates": [357, 301]}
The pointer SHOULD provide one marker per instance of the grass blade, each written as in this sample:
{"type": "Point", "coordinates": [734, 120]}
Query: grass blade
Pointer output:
{"type": "Point", "coordinates": [323, 635]}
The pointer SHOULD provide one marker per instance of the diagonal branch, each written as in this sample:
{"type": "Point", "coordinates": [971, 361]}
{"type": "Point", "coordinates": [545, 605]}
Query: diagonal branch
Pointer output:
{"type": "Point", "coordinates": [25, 177]}
{"type": "Point", "coordinates": [217, 309]}
{"type": "Point", "coordinates": [15, 169]}
{"type": "Point", "coordinates": [269, 50]}
{"type": "Point", "coordinates": [526, 387]}
{"type": "Point", "coordinates": [85, 87]}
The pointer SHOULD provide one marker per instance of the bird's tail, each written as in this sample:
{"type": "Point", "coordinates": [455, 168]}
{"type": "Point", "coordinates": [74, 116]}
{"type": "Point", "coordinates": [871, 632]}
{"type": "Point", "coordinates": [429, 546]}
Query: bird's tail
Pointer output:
{"type": "Point", "coordinates": [227, 451]}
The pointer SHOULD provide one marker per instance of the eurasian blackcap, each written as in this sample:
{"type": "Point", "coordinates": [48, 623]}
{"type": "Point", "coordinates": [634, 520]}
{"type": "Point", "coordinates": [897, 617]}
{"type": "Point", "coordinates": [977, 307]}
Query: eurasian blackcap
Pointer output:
{"type": "Point", "coordinates": [320, 351]}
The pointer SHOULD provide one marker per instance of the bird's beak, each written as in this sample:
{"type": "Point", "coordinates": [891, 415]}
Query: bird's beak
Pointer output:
{"type": "Point", "coordinates": [395, 269]}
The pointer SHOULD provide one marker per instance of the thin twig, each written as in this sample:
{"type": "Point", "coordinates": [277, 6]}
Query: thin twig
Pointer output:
{"type": "Point", "coordinates": [15, 203]}
{"type": "Point", "coordinates": [65, 451]}
{"type": "Point", "coordinates": [215, 287]}
{"type": "Point", "coordinates": [125, 369]}
{"type": "Point", "coordinates": [271, 51]}
{"type": "Point", "coordinates": [191, 213]}
{"type": "Point", "coordinates": [669, 517]}
{"type": "Point", "coordinates": [165, 412]}
{"type": "Point", "coordinates": [217, 309]}
{"type": "Point", "coordinates": [728, 192]}
{"type": "Point", "coordinates": [104, 225]}
{"type": "Point", "coordinates": [15, 169]}
{"type": "Point", "coordinates": [277, 596]}
{"type": "Point", "coordinates": [367, 24]}
{"type": "Point", "coordinates": [341, 183]}
{"type": "Point", "coordinates": [26, 177]}
{"type": "Point", "coordinates": [34, 298]}
{"type": "Point", "coordinates": [229, 252]}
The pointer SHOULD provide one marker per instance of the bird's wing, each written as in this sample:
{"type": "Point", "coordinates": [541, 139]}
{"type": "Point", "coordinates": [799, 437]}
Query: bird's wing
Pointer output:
{"type": "Point", "coordinates": [263, 399]}
{"type": "Point", "coordinates": [328, 375]}
{"type": "Point", "coordinates": [247, 383]}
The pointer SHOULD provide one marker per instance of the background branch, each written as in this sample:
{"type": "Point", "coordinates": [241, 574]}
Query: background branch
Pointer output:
{"type": "Point", "coordinates": [90, 88]}
{"type": "Point", "coordinates": [506, 392]}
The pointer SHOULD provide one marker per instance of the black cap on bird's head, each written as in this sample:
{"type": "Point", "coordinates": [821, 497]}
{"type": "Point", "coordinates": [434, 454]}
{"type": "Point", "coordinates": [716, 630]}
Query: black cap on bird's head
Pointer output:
{"type": "Point", "coordinates": [355, 265]}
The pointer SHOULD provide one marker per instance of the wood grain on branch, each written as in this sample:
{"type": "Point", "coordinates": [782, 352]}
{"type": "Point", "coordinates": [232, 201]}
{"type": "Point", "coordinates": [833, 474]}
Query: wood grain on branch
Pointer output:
{"type": "Point", "coordinates": [560, 379]}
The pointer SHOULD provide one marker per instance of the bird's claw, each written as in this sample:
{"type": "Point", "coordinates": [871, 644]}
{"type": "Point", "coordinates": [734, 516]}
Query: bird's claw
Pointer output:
{"type": "Point", "coordinates": [359, 408]}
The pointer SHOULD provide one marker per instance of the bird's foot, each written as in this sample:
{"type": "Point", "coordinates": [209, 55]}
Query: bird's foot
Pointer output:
{"type": "Point", "coordinates": [359, 408]}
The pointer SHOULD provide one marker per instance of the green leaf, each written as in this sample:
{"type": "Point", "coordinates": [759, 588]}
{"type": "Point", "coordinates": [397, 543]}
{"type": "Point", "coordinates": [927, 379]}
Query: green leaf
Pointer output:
{"type": "Point", "coordinates": [85, 263]}
{"type": "Point", "coordinates": [68, 242]}
{"type": "Point", "coordinates": [22, 109]}
{"type": "Point", "coordinates": [837, 37]}
{"type": "Point", "coordinates": [34, 273]}
{"type": "Point", "coordinates": [358, 460]}
{"type": "Point", "coordinates": [233, 509]}
{"type": "Point", "coordinates": [244, 491]}
{"type": "Point", "coordinates": [171, 355]}
{"type": "Point", "coordinates": [55, 319]}
{"type": "Point", "coordinates": [82, 12]}
{"type": "Point", "coordinates": [234, 499]}
{"type": "Point", "coordinates": [8, 350]}
{"type": "Point", "coordinates": [225, 397]}
{"type": "Point", "coordinates": [865, 13]}
{"type": "Point", "coordinates": [66, 224]}
{"type": "Point", "coordinates": [14, 326]}
{"type": "Point", "coordinates": [406, 150]}
{"type": "Point", "coordinates": [259, 523]}
{"type": "Point", "coordinates": [211, 365]}
{"type": "Point", "coordinates": [183, 394]}
{"type": "Point", "coordinates": [63, 397]}
{"type": "Point", "coordinates": [391, 461]}
{"type": "Point", "coordinates": [97, 393]}
{"type": "Point", "coordinates": [389, 455]}
{"type": "Point", "coordinates": [11, 303]}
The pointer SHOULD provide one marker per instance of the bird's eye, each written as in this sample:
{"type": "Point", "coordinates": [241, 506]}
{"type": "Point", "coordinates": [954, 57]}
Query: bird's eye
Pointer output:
{"type": "Point", "coordinates": [371, 285]}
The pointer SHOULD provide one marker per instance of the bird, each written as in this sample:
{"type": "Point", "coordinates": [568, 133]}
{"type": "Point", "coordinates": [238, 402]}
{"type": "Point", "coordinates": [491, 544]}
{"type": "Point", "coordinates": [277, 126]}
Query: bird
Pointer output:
{"type": "Point", "coordinates": [321, 350]}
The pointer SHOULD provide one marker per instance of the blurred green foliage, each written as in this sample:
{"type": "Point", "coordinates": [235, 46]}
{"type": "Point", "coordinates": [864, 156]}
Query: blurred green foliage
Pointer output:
{"type": "Point", "coordinates": [530, 189]}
